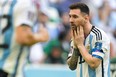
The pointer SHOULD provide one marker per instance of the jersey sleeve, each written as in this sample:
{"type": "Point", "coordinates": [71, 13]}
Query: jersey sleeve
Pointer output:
{"type": "Point", "coordinates": [24, 13]}
{"type": "Point", "coordinates": [100, 49]}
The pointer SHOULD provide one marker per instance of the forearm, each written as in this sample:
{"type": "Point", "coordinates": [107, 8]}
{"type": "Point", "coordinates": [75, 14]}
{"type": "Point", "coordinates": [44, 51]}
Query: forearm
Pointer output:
{"type": "Point", "coordinates": [25, 36]}
{"type": "Point", "coordinates": [27, 40]}
{"type": "Point", "coordinates": [34, 38]}
{"type": "Point", "coordinates": [72, 61]}
{"type": "Point", "coordinates": [93, 62]}
{"type": "Point", "coordinates": [40, 37]}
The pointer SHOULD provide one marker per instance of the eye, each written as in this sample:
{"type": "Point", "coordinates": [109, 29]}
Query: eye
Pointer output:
{"type": "Point", "coordinates": [69, 16]}
{"type": "Point", "coordinates": [75, 16]}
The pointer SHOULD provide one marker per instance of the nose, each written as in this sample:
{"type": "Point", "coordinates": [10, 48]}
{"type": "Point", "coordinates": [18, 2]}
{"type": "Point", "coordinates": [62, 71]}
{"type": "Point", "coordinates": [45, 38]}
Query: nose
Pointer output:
{"type": "Point", "coordinates": [71, 20]}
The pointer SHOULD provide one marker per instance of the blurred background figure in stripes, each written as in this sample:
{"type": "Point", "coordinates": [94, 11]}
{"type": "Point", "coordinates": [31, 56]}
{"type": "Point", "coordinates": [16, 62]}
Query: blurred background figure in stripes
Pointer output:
{"type": "Point", "coordinates": [17, 18]}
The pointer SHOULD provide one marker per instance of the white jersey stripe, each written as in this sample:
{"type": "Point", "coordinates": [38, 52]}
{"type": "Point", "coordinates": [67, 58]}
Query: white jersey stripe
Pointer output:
{"type": "Point", "coordinates": [98, 53]}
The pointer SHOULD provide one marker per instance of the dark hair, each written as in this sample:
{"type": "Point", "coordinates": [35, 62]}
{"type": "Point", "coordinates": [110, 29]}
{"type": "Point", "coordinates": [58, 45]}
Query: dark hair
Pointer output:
{"type": "Point", "coordinates": [83, 7]}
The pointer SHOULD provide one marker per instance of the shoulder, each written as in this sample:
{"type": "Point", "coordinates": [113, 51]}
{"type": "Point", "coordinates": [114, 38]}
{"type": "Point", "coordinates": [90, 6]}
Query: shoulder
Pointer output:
{"type": "Point", "coordinates": [24, 12]}
{"type": "Point", "coordinates": [27, 5]}
{"type": "Point", "coordinates": [99, 34]}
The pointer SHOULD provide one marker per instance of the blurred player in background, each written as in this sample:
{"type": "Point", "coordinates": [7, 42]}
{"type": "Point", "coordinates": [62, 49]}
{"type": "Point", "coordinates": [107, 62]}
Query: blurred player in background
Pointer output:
{"type": "Point", "coordinates": [17, 18]}
{"type": "Point", "coordinates": [90, 46]}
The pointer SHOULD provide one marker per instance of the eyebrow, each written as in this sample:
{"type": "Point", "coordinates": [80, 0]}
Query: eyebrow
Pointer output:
{"type": "Point", "coordinates": [73, 15]}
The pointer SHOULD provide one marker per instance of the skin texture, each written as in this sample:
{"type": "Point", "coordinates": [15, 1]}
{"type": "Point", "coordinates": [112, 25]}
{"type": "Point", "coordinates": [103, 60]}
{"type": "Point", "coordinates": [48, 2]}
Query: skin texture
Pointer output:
{"type": "Point", "coordinates": [81, 28]}
{"type": "Point", "coordinates": [25, 36]}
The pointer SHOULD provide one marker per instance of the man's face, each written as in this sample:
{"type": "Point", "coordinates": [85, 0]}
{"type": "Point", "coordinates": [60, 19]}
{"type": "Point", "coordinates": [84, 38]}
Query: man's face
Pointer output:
{"type": "Point", "coordinates": [76, 19]}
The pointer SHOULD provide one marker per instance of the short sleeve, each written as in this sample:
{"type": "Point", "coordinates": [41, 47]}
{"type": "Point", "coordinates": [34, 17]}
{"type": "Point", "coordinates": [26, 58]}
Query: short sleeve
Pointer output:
{"type": "Point", "coordinates": [24, 13]}
{"type": "Point", "coordinates": [100, 48]}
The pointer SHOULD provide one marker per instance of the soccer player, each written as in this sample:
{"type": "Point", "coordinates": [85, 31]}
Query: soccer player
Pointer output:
{"type": "Point", "coordinates": [90, 46]}
{"type": "Point", "coordinates": [17, 18]}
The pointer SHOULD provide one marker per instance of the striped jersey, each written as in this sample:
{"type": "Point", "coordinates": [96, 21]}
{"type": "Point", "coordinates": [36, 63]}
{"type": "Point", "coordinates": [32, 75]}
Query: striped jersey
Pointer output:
{"type": "Point", "coordinates": [98, 45]}
{"type": "Point", "coordinates": [14, 13]}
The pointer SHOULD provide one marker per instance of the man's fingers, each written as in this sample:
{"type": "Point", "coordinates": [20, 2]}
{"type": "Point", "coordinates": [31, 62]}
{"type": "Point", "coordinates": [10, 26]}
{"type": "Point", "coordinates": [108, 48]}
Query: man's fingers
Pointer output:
{"type": "Point", "coordinates": [78, 31]}
{"type": "Point", "coordinates": [81, 30]}
{"type": "Point", "coordinates": [73, 33]}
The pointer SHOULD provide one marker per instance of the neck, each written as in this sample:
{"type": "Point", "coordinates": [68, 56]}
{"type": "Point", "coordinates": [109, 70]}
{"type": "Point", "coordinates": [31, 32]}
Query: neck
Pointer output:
{"type": "Point", "coordinates": [87, 29]}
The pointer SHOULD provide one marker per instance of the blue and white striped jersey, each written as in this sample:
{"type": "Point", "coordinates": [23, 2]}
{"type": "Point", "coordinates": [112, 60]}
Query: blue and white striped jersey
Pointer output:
{"type": "Point", "coordinates": [98, 45]}
{"type": "Point", "coordinates": [14, 13]}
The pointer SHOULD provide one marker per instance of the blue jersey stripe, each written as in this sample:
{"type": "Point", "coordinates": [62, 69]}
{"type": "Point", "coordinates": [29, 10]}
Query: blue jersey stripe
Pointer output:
{"type": "Point", "coordinates": [7, 37]}
{"type": "Point", "coordinates": [90, 41]}
{"type": "Point", "coordinates": [81, 71]}
{"type": "Point", "coordinates": [108, 69]}
{"type": "Point", "coordinates": [91, 72]}
{"type": "Point", "coordinates": [97, 56]}
{"type": "Point", "coordinates": [8, 33]}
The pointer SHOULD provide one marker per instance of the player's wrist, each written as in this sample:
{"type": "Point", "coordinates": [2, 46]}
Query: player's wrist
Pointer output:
{"type": "Point", "coordinates": [80, 46]}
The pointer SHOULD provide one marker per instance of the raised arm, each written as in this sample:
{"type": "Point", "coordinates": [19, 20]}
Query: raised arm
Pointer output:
{"type": "Point", "coordinates": [24, 19]}
{"type": "Point", "coordinates": [73, 59]}
{"type": "Point", "coordinates": [25, 36]}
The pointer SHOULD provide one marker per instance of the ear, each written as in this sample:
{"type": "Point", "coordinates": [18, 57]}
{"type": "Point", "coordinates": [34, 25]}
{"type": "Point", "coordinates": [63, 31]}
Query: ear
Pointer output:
{"type": "Point", "coordinates": [86, 17]}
